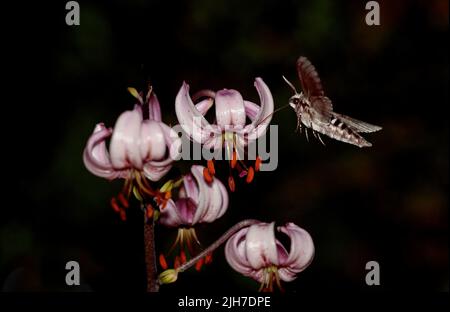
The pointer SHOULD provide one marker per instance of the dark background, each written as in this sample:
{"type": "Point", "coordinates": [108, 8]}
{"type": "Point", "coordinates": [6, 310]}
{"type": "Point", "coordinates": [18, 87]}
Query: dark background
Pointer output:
{"type": "Point", "coordinates": [388, 203]}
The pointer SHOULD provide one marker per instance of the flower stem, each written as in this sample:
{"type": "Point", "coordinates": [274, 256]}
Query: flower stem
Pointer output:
{"type": "Point", "coordinates": [150, 257]}
{"type": "Point", "coordinates": [217, 243]}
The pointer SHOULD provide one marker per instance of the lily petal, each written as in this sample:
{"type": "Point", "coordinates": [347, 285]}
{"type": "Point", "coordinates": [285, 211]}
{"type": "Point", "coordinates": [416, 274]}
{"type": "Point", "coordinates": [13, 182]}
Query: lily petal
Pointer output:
{"type": "Point", "coordinates": [169, 215]}
{"type": "Point", "coordinates": [218, 202]}
{"type": "Point", "coordinates": [203, 193]}
{"type": "Point", "coordinates": [186, 209]}
{"type": "Point", "coordinates": [261, 249]}
{"type": "Point", "coordinates": [251, 110]}
{"type": "Point", "coordinates": [260, 122]}
{"type": "Point", "coordinates": [152, 141]}
{"type": "Point", "coordinates": [302, 247]}
{"type": "Point", "coordinates": [267, 105]}
{"type": "Point", "coordinates": [230, 109]}
{"type": "Point", "coordinates": [235, 252]}
{"type": "Point", "coordinates": [154, 109]}
{"type": "Point", "coordinates": [190, 187]}
{"type": "Point", "coordinates": [156, 169]}
{"type": "Point", "coordinates": [214, 140]}
{"type": "Point", "coordinates": [124, 147]}
{"type": "Point", "coordinates": [190, 119]}
{"type": "Point", "coordinates": [204, 106]}
{"type": "Point", "coordinates": [96, 157]}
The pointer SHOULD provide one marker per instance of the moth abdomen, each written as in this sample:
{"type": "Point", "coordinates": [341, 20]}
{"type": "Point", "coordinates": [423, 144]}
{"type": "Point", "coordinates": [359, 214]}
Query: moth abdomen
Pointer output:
{"type": "Point", "coordinates": [339, 130]}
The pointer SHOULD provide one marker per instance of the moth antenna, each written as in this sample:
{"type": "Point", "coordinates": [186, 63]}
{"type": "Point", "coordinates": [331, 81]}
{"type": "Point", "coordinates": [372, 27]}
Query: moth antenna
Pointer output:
{"type": "Point", "coordinates": [290, 85]}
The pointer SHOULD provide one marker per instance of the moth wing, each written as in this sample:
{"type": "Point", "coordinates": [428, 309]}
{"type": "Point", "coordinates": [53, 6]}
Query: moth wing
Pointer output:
{"type": "Point", "coordinates": [309, 78]}
{"type": "Point", "coordinates": [321, 108]}
{"type": "Point", "coordinates": [357, 125]}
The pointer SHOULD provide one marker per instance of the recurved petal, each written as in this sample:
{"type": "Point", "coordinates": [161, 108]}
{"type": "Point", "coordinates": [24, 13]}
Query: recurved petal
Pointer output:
{"type": "Point", "coordinates": [186, 210]}
{"type": "Point", "coordinates": [95, 155]}
{"type": "Point", "coordinates": [302, 248]}
{"type": "Point", "coordinates": [124, 147]}
{"type": "Point", "coordinates": [261, 249]}
{"type": "Point", "coordinates": [263, 117]}
{"type": "Point", "coordinates": [286, 274]}
{"type": "Point", "coordinates": [169, 215]}
{"type": "Point", "coordinates": [190, 187]}
{"type": "Point", "coordinates": [230, 109]}
{"type": "Point", "coordinates": [173, 142]}
{"type": "Point", "coordinates": [218, 202]}
{"type": "Point", "coordinates": [190, 119]}
{"type": "Point", "coordinates": [154, 108]}
{"type": "Point", "coordinates": [224, 198]}
{"type": "Point", "coordinates": [251, 110]}
{"type": "Point", "coordinates": [155, 170]}
{"type": "Point", "coordinates": [235, 252]}
{"type": "Point", "coordinates": [203, 200]}
{"type": "Point", "coordinates": [204, 105]}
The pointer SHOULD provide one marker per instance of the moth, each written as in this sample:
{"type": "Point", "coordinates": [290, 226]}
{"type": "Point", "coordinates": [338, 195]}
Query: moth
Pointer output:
{"type": "Point", "coordinates": [315, 111]}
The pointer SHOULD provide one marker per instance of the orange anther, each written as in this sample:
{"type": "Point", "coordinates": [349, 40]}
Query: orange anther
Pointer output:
{"type": "Point", "coordinates": [123, 200]}
{"type": "Point", "coordinates": [114, 205]}
{"type": "Point", "coordinates": [250, 175]}
{"type": "Point", "coordinates": [258, 163]}
{"type": "Point", "coordinates": [231, 183]}
{"type": "Point", "coordinates": [167, 195]}
{"type": "Point", "coordinates": [199, 264]}
{"type": "Point", "coordinates": [183, 257]}
{"type": "Point", "coordinates": [150, 211]}
{"type": "Point", "coordinates": [211, 168]}
{"type": "Point", "coordinates": [163, 262]}
{"type": "Point", "coordinates": [234, 160]}
{"type": "Point", "coordinates": [207, 175]}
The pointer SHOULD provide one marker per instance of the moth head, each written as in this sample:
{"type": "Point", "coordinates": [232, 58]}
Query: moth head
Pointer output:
{"type": "Point", "coordinates": [295, 100]}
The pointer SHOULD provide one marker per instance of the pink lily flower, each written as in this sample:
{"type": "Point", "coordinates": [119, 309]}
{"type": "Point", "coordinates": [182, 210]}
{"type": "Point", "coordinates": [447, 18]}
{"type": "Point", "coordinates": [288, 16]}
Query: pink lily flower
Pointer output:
{"type": "Point", "coordinates": [141, 147]}
{"type": "Point", "coordinates": [197, 202]}
{"type": "Point", "coordinates": [231, 130]}
{"type": "Point", "coordinates": [255, 252]}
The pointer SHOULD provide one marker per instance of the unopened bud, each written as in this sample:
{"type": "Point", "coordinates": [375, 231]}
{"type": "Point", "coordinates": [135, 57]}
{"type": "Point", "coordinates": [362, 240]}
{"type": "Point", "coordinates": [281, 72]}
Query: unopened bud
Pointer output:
{"type": "Point", "coordinates": [168, 276]}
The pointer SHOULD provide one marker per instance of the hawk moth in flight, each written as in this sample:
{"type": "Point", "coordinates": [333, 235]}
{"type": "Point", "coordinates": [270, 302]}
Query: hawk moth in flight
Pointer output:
{"type": "Point", "coordinates": [315, 111]}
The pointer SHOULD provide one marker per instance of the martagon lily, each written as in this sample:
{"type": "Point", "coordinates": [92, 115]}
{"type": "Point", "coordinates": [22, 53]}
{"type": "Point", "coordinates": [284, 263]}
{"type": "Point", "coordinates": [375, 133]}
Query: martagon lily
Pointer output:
{"type": "Point", "coordinates": [194, 201]}
{"type": "Point", "coordinates": [141, 147]}
{"type": "Point", "coordinates": [255, 252]}
{"type": "Point", "coordinates": [231, 130]}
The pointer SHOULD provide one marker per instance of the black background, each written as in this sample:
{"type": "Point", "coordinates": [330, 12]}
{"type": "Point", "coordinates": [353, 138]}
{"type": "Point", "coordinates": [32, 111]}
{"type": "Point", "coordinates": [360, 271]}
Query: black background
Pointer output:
{"type": "Point", "coordinates": [387, 203]}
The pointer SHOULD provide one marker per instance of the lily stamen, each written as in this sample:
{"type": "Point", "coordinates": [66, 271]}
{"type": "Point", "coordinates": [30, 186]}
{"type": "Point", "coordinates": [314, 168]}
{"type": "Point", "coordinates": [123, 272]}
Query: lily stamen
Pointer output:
{"type": "Point", "coordinates": [211, 169]}
{"type": "Point", "coordinates": [163, 262]}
